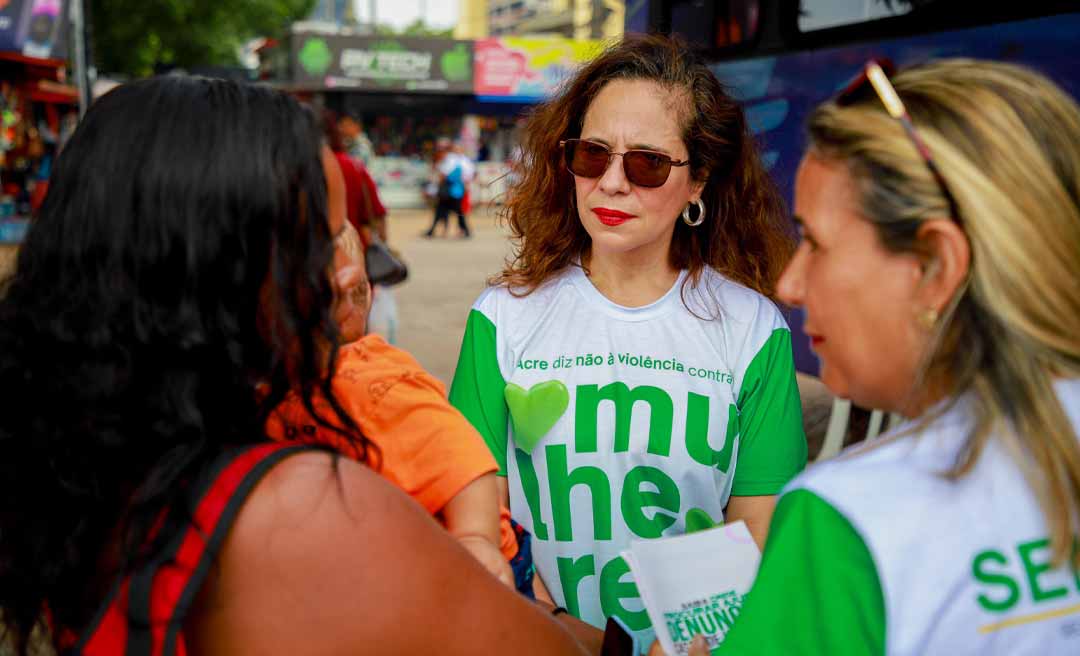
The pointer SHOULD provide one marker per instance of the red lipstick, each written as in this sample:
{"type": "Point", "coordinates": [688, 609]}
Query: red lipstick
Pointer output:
{"type": "Point", "coordinates": [610, 217]}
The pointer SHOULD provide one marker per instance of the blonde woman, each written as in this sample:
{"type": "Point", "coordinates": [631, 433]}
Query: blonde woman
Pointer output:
{"type": "Point", "coordinates": [940, 273]}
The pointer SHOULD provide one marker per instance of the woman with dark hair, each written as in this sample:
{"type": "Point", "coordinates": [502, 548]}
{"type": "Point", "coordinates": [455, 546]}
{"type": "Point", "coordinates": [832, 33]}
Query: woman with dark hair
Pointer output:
{"type": "Point", "coordinates": [629, 355]}
{"type": "Point", "coordinates": [175, 288]}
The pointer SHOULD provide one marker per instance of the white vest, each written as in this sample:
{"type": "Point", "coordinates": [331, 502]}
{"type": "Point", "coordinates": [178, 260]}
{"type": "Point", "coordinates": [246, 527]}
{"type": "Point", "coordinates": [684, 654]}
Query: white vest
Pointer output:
{"type": "Point", "coordinates": [963, 565]}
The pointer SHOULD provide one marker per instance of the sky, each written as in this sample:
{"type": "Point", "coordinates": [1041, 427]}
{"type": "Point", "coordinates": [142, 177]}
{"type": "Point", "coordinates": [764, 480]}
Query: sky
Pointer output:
{"type": "Point", "coordinates": [399, 13]}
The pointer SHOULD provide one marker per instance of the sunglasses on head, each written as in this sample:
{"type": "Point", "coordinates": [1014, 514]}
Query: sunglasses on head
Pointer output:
{"type": "Point", "coordinates": [644, 168]}
{"type": "Point", "coordinates": [875, 75]}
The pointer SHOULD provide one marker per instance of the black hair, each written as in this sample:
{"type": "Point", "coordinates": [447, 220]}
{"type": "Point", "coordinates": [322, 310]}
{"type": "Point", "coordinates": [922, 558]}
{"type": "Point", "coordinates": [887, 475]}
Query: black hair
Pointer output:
{"type": "Point", "coordinates": [172, 292]}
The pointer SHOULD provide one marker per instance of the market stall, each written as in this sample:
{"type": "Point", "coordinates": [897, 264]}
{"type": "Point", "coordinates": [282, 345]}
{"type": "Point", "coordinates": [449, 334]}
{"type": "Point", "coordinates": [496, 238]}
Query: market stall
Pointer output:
{"type": "Point", "coordinates": [38, 110]}
{"type": "Point", "coordinates": [408, 92]}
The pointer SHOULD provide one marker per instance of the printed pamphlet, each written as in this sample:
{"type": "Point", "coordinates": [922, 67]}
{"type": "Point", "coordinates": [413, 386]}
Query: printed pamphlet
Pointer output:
{"type": "Point", "coordinates": [694, 583]}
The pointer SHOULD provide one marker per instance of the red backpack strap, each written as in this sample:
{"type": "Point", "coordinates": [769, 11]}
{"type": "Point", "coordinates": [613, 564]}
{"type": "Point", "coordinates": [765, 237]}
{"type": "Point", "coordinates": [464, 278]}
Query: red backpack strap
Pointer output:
{"type": "Point", "coordinates": [145, 612]}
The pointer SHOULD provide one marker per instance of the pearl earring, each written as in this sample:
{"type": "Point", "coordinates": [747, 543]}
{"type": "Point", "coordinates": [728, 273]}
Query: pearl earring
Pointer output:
{"type": "Point", "coordinates": [927, 318]}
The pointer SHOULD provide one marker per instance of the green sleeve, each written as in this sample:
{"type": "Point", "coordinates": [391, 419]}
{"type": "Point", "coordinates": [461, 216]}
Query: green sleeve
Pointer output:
{"type": "Point", "coordinates": [478, 386]}
{"type": "Point", "coordinates": [772, 445]}
{"type": "Point", "coordinates": [817, 591]}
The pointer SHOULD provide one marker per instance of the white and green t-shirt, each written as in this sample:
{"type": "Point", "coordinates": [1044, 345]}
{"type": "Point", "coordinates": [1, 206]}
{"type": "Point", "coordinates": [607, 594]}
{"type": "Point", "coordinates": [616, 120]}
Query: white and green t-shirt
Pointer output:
{"type": "Point", "coordinates": [612, 423]}
{"type": "Point", "coordinates": [875, 552]}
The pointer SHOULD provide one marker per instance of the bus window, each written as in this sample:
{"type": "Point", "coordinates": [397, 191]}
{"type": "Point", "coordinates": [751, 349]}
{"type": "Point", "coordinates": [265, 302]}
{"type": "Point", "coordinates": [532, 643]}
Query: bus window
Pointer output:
{"type": "Point", "coordinates": [736, 22]}
{"type": "Point", "coordinates": [714, 25]}
{"type": "Point", "coordinates": [824, 14]}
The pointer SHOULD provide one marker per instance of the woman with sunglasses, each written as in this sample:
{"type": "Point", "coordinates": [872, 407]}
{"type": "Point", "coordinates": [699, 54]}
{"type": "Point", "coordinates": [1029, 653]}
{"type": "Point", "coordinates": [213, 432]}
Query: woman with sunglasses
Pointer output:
{"type": "Point", "coordinates": [628, 367]}
{"type": "Point", "coordinates": [939, 270]}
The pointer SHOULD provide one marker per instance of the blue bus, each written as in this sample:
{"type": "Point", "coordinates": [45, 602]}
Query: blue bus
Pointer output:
{"type": "Point", "coordinates": [783, 57]}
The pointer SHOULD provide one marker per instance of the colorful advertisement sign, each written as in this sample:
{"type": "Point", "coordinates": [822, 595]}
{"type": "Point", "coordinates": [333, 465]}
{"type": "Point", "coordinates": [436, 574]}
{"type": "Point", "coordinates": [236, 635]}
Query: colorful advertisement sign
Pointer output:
{"type": "Point", "coordinates": [526, 69]}
{"type": "Point", "coordinates": [391, 64]}
{"type": "Point", "coordinates": [35, 28]}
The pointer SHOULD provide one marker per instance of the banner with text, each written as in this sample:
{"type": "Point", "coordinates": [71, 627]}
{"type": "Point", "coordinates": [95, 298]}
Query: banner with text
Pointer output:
{"type": "Point", "coordinates": [527, 69]}
{"type": "Point", "coordinates": [382, 63]}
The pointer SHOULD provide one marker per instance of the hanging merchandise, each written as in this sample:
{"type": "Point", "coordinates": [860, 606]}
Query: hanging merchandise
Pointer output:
{"type": "Point", "coordinates": [36, 112]}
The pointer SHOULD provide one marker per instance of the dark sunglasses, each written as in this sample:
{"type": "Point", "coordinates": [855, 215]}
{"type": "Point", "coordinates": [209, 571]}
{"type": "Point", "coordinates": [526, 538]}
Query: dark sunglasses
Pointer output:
{"type": "Point", "coordinates": [644, 168]}
{"type": "Point", "coordinates": [875, 75]}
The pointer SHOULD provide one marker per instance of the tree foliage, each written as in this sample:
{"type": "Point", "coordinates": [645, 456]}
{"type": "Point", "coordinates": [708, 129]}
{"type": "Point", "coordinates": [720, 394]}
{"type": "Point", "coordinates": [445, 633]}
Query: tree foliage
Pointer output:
{"type": "Point", "coordinates": [133, 37]}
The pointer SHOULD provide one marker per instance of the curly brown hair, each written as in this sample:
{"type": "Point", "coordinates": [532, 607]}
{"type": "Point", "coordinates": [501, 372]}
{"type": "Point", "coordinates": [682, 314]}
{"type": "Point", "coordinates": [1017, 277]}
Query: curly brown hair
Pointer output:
{"type": "Point", "coordinates": [746, 235]}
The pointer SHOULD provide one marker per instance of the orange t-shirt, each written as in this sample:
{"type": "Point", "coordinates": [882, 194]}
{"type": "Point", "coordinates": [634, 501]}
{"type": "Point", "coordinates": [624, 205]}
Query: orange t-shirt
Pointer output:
{"type": "Point", "coordinates": [427, 448]}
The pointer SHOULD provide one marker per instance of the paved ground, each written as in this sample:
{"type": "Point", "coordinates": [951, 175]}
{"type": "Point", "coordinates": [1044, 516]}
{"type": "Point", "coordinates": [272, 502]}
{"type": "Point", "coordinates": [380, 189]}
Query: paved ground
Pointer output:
{"type": "Point", "coordinates": [445, 277]}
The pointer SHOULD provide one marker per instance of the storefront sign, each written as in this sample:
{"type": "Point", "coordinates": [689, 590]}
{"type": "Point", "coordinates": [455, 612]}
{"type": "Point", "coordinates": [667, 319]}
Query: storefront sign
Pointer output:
{"type": "Point", "coordinates": [35, 28]}
{"type": "Point", "coordinates": [526, 69]}
{"type": "Point", "coordinates": [391, 64]}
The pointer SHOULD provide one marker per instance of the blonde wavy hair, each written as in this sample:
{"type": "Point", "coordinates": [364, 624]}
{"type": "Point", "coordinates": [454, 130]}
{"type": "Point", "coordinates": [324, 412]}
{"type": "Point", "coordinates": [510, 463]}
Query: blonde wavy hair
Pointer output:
{"type": "Point", "coordinates": [1007, 142]}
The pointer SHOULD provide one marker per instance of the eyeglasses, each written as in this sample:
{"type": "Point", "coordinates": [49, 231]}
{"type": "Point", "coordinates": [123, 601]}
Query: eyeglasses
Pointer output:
{"type": "Point", "coordinates": [644, 168]}
{"type": "Point", "coordinates": [876, 74]}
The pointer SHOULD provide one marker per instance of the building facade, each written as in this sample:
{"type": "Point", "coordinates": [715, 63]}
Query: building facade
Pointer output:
{"type": "Point", "coordinates": [339, 12]}
{"type": "Point", "coordinates": [576, 19]}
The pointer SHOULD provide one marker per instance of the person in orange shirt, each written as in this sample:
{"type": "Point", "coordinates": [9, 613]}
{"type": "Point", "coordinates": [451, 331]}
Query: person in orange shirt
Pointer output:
{"type": "Point", "coordinates": [425, 446]}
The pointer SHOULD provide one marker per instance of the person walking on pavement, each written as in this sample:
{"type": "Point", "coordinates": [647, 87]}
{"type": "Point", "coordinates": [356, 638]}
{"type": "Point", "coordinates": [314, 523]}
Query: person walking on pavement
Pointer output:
{"type": "Point", "coordinates": [455, 170]}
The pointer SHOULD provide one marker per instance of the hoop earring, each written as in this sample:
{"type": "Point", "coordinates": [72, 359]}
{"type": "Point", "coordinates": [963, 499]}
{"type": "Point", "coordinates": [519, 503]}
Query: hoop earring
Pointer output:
{"type": "Point", "coordinates": [700, 217]}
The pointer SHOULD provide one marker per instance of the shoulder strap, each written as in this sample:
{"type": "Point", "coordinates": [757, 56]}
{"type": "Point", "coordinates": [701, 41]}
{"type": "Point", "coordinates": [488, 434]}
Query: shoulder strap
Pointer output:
{"type": "Point", "coordinates": [144, 613]}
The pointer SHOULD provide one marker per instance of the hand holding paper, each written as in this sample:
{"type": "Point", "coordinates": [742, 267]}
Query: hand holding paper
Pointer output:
{"type": "Point", "coordinates": [694, 584]}
{"type": "Point", "coordinates": [698, 647]}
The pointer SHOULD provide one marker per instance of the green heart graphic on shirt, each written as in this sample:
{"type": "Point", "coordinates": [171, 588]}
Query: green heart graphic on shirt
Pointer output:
{"type": "Point", "coordinates": [698, 520]}
{"type": "Point", "coordinates": [535, 412]}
